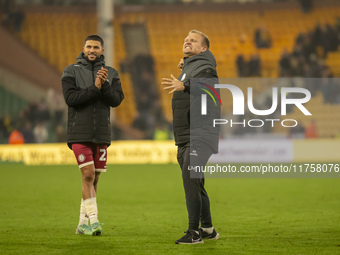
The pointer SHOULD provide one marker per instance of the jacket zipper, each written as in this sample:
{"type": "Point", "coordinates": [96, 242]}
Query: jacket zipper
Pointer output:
{"type": "Point", "coordinates": [94, 109]}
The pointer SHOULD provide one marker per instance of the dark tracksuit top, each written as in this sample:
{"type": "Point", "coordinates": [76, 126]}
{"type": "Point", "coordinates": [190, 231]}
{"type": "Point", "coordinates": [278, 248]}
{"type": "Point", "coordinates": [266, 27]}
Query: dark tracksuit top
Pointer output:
{"type": "Point", "coordinates": [192, 124]}
{"type": "Point", "coordinates": [89, 107]}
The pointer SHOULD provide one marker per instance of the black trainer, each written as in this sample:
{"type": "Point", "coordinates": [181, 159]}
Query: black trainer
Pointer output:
{"type": "Point", "coordinates": [191, 237]}
{"type": "Point", "coordinates": [213, 235]}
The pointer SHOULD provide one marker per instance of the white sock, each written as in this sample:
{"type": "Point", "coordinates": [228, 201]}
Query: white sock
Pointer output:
{"type": "Point", "coordinates": [208, 230]}
{"type": "Point", "coordinates": [91, 209]}
{"type": "Point", "coordinates": [83, 219]}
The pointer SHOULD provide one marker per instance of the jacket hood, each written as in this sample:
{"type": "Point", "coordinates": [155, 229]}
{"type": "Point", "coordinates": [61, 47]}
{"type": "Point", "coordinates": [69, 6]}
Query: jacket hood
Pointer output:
{"type": "Point", "coordinates": [82, 60]}
{"type": "Point", "coordinates": [205, 56]}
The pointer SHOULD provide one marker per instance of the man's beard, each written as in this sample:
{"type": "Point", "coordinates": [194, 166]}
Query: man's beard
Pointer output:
{"type": "Point", "coordinates": [92, 61]}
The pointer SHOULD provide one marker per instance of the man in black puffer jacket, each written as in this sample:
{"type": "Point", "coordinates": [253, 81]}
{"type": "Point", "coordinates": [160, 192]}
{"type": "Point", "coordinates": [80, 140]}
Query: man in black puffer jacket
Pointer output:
{"type": "Point", "coordinates": [90, 89]}
{"type": "Point", "coordinates": [194, 133]}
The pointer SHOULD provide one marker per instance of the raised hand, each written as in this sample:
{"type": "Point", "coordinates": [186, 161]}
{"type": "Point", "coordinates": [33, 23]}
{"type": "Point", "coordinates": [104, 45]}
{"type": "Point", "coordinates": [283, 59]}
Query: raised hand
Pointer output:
{"type": "Point", "coordinates": [173, 84]}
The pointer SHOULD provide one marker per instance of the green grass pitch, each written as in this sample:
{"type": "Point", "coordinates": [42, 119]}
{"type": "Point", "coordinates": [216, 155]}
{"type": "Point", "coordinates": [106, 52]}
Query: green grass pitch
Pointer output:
{"type": "Point", "coordinates": [143, 209]}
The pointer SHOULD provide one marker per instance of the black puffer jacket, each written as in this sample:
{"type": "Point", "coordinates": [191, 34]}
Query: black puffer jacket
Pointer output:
{"type": "Point", "coordinates": [188, 122]}
{"type": "Point", "coordinates": [89, 107]}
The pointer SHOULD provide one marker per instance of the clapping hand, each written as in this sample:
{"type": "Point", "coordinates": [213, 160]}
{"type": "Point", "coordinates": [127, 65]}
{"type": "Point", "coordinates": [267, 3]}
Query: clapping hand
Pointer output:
{"type": "Point", "coordinates": [102, 75]}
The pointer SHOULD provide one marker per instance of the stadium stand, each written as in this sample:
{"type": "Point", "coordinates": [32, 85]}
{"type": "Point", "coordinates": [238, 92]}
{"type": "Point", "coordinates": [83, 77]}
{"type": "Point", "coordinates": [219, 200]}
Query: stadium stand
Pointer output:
{"type": "Point", "coordinates": [333, 61]}
{"type": "Point", "coordinates": [59, 38]}
{"type": "Point", "coordinates": [53, 35]}
{"type": "Point", "coordinates": [10, 103]}
{"type": "Point", "coordinates": [233, 36]}
{"type": "Point", "coordinates": [324, 115]}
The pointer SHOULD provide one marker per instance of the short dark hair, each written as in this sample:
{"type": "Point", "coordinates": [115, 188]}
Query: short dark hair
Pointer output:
{"type": "Point", "coordinates": [95, 38]}
{"type": "Point", "coordinates": [205, 41]}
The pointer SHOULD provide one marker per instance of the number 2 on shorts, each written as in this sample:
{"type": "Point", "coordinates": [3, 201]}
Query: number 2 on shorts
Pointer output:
{"type": "Point", "coordinates": [102, 157]}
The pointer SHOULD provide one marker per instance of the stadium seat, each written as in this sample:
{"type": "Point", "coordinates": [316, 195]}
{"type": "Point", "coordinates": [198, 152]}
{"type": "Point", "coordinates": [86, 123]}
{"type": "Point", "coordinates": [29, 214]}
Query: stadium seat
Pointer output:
{"type": "Point", "coordinates": [62, 33]}
{"type": "Point", "coordinates": [10, 103]}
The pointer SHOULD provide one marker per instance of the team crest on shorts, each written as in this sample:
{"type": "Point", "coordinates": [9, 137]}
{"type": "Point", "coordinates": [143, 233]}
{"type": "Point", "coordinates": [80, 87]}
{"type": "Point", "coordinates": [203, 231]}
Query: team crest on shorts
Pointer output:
{"type": "Point", "coordinates": [81, 158]}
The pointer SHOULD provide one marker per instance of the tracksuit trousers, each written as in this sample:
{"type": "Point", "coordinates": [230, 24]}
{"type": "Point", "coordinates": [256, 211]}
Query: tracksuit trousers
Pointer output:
{"type": "Point", "coordinates": [189, 156]}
